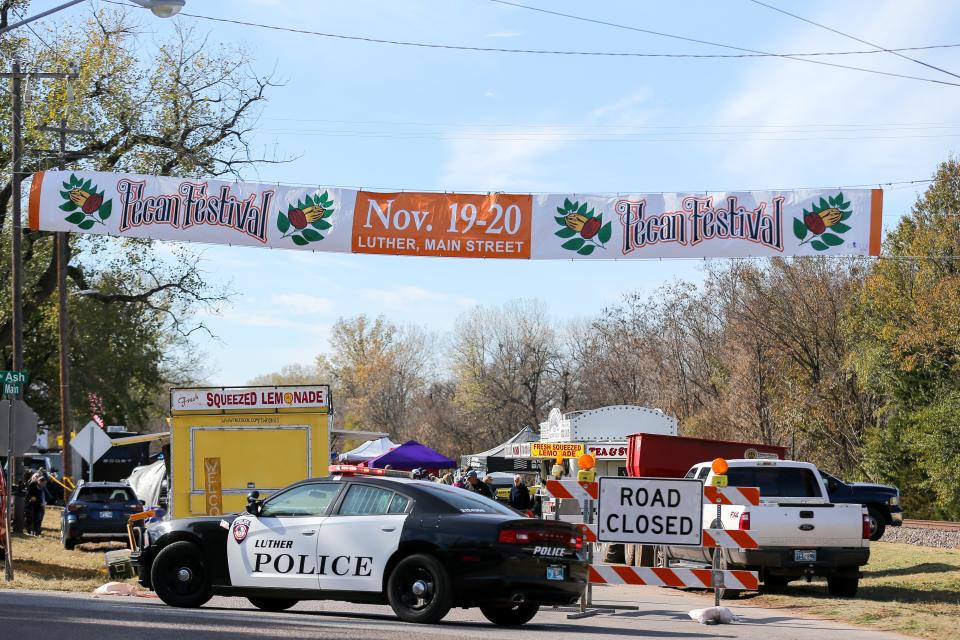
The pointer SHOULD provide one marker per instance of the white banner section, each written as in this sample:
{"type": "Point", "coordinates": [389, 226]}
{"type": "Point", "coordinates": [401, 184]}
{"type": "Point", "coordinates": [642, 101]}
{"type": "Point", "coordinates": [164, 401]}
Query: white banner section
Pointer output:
{"type": "Point", "coordinates": [650, 511]}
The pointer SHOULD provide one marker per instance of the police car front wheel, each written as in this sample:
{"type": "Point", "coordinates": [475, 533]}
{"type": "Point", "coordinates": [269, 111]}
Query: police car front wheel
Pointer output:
{"type": "Point", "coordinates": [272, 604]}
{"type": "Point", "coordinates": [419, 589]}
{"type": "Point", "coordinates": [179, 577]}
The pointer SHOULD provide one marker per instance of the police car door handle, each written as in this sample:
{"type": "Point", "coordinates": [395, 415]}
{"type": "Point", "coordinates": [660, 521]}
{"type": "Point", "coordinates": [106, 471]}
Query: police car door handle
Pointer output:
{"type": "Point", "coordinates": [308, 533]}
{"type": "Point", "coordinates": [393, 528]}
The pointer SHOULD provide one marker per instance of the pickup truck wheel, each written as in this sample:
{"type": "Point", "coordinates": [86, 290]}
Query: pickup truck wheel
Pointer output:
{"type": "Point", "coordinates": [660, 557]}
{"type": "Point", "coordinates": [843, 587]}
{"type": "Point", "coordinates": [776, 582]}
{"type": "Point", "coordinates": [611, 552]}
{"type": "Point", "coordinates": [878, 524]}
{"type": "Point", "coordinates": [179, 576]}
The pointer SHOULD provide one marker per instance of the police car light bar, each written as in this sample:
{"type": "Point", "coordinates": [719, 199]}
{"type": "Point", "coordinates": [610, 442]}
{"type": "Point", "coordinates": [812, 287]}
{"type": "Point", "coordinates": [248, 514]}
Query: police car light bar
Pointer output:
{"type": "Point", "coordinates": [352, 469]}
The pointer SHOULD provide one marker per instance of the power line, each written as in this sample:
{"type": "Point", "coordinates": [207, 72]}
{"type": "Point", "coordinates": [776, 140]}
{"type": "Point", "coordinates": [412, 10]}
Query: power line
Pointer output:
{"type": "Point", "coordinates": [847, 35]}
{"type": "Point", "coordinates": [718, 44]}
{"type": "Point", "coordinates": [424, 45]}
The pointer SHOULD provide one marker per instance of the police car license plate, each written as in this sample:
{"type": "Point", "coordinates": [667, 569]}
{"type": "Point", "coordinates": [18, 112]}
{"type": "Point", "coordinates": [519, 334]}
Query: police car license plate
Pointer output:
{"type": "Point", "coordinates": [555, 572]}
{"type": "Point", "coordinates": [106, 514]}
{"type": "Point", "coordinates": [804, 556]}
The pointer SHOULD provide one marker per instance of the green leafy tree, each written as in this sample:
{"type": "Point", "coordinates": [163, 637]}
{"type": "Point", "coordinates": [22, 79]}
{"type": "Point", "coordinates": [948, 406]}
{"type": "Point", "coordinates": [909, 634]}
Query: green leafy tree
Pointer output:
{"type": "Point", "coordinates": [185, 112]}
{"type": "Point", "coordinates": [906, 328]}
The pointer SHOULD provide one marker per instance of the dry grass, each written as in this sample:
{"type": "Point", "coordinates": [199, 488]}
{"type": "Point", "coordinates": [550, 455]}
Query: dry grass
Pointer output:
{"type": "Point", "coordinates": [43, 563]}
{"type": "Point", "coordinates": [909, 589]}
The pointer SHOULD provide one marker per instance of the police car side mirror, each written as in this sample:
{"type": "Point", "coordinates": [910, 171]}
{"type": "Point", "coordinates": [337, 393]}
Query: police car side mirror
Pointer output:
{"type": "Point", "coordinates": [253, 503]}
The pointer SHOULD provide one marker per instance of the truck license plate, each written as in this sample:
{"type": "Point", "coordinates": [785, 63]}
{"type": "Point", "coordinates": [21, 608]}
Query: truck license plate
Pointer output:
{"type": "Point", "coordinates": [555, 572]}
{"type": "Point", "coordinates": [804, 556]}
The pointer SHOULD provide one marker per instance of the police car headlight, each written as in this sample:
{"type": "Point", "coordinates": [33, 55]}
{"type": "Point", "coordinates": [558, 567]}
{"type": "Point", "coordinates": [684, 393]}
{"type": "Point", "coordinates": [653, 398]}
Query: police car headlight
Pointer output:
{"type": "Point", "coordinates": [894, 501]}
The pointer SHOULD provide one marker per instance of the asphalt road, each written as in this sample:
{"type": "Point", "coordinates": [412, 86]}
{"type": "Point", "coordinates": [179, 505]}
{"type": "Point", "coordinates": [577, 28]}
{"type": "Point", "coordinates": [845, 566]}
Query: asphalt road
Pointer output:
{"type": "Point", "coordinates": [662, 613]}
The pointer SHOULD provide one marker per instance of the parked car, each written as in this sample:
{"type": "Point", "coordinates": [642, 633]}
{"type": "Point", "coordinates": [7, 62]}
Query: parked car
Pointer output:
{"type": "Point", "coordinates": [98, 511]}
{"type": "Point", "coordinates": [363, 536]}
{"type": "Point", "coordinates": [799, 531]}
{"type": "Point", "coordinates": [882, 501]}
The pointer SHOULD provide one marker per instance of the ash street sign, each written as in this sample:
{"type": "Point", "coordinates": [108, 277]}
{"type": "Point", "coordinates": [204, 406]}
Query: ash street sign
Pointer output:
{"type": "Point", "coordinates": [650, 511]}
{"type": "Point", "coordinates": [13, 382]}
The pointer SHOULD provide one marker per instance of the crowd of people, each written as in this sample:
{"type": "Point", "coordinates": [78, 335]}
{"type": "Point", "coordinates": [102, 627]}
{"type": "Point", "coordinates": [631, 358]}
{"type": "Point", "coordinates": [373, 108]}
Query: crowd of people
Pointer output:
{"type": "Point", "coordinates": [468, 479]}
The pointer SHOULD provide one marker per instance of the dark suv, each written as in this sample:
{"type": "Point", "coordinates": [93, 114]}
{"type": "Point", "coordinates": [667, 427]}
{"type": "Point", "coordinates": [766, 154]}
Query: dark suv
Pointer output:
{"type": "Point", "coordinates": [98, 511]}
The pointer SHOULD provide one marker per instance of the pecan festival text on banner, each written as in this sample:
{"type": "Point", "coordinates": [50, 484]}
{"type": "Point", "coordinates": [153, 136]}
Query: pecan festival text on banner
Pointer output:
{"type": "Point", "coordinates": [494, 225]}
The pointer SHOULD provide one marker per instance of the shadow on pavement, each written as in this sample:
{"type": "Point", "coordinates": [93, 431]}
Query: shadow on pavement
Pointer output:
{"type": "Point", "coordinates": [924, 567]}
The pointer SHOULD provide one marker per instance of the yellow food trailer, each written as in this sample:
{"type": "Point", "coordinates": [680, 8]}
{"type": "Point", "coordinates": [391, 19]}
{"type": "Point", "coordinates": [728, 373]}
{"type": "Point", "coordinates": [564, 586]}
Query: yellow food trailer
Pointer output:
{"type": "Point", "coordinates": [228, 441]}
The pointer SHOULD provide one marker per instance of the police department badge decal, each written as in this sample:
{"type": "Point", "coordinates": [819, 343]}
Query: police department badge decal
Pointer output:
{"type": "Point", "coordinates": [240, 528]}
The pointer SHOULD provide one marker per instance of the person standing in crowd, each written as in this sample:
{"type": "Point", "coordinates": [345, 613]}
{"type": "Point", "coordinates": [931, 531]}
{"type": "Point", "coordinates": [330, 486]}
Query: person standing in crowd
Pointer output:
{"type": "Point", "coordinates": [35, 503]}
{"type": "Point", "coordinates": [474, 484]}
{"type": "Point", "coordinates": [537, 506]}
{"type": "Point", "coordinates": [519, 495]}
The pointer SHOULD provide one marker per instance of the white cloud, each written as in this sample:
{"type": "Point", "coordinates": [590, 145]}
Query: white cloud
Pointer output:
{"type": "Point", "coordinates": [302, 303]}
{"type": "Point", "coordinates": [409, 298]}
{"type": "Point", "coordinates": [505, 34]}
{"type": "Point", "coordinates": [517, 158]}
{"type": "Point", "coordinates": [783, 99]}
{"type": "Point", "coordinates": [509, 158]}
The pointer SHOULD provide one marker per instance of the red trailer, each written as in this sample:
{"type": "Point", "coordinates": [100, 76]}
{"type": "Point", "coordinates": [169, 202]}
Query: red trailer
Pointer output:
{"type": "Point", "coordinates": [652, 455]}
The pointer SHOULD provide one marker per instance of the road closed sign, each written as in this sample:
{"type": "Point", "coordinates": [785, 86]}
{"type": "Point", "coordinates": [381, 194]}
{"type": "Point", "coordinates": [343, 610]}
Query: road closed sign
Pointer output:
{"type": "Point", "coordinates": [650, 511]}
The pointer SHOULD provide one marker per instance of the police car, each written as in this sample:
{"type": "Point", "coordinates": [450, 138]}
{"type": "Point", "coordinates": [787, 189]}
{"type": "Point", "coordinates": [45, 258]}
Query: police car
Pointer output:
{"type": "Point", "coordinates": [361, 535]}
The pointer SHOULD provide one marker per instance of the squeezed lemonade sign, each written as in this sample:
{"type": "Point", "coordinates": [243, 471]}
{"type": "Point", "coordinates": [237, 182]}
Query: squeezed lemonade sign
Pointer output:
{"type": "Point", "coordinates": [493, 225]}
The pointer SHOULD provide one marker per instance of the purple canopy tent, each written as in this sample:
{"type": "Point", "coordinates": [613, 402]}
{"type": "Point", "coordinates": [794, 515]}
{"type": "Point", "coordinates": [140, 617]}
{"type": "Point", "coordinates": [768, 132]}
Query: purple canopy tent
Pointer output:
{"type": "Point", "coordinates": [410, 455]}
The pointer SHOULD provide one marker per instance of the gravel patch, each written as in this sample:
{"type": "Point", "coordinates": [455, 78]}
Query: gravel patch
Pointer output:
{"type": "Point", "coordinates": [941, 538]}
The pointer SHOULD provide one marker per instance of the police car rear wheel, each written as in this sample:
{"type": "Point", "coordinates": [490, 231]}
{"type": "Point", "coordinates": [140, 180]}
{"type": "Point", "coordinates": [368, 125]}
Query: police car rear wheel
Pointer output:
{"type": "Point", "coordinates": [419, 589]}
{"type": "Point", "coordinates": [179, 577]}
{"type": "Point", "coordinates": [510, 616]}
{"type": "Point", "coordinates": [272, 604]}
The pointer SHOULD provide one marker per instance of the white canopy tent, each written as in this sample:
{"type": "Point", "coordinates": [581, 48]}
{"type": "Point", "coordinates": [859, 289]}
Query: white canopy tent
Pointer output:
{"type": "Point", "coordinates": [367, 451]}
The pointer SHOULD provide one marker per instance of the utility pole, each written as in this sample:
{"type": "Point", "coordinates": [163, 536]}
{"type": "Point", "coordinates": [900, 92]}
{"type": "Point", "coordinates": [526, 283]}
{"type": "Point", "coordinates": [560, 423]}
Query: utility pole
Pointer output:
{"type": "Point", "coordinates": [63, 316]}
{"type": "Point", "coordinates": [16, 260]}
{"type": "Point", "coordinates": [15, 226]}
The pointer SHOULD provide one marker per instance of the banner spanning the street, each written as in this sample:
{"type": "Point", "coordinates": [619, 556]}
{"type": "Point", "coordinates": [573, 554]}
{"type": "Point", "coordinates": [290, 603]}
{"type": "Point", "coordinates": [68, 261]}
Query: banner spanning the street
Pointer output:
{"type": "Point", "coordinates": [493, 225]}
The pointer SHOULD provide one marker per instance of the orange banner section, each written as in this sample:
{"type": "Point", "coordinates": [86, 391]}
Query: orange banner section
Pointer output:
{"type": "Point", "coordinates": [441, 224]}
{"type": "Point", "coordinates": [876, 221]}
{"type": "Point", "coordinates": [33, 204]}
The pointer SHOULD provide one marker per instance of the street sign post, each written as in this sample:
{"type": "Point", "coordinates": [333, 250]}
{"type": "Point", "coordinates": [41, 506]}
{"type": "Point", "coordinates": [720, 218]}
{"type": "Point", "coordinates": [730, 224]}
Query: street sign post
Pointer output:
{"type": "Point", "coordinates": [91, 443]}
{"type": "Point", "coordinates": [12, 384]}
{"type": "Point", "coordinates": [657, 511]}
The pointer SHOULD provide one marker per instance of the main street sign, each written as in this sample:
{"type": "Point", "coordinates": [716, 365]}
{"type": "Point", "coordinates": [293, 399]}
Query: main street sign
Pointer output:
{"type": "Point", "coordinates": [13, 382]}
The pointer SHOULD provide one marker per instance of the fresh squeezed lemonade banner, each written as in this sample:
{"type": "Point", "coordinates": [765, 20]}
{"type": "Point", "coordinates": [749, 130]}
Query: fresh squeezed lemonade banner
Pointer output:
{"type": "Point", "coordinates": [494, 225]}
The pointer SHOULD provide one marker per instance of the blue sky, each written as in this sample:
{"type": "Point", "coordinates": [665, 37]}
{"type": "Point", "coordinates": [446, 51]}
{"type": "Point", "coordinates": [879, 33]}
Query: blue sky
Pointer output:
{"type": "Point", "coordinates": [381, 116]}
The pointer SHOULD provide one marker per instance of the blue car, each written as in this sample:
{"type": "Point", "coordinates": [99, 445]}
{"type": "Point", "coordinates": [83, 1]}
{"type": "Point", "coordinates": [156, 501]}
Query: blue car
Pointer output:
{"type": "Point", "coordinates": [98, 512]}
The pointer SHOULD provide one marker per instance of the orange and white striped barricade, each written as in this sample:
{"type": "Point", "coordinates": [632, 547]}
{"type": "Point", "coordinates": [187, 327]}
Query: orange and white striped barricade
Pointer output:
{"type": "Point", "coordinates": [664, 577]}
{"type": "Point", "coordinates": [731, 495]}
{"type": "Point", "coordinates": [712, 538]}
{"type": "Point", "coordinates": [573, 490]}
{"type": "Point", "coordinates": [728, 539]}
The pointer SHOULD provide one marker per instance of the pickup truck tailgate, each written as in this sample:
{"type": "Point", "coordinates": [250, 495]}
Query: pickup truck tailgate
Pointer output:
{"type": "Point", "coordinates": [807, 525]}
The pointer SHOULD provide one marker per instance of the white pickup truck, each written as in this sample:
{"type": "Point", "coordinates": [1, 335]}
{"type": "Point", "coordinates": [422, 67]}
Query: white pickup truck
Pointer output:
{"type": "Point", "coordinates": [799, 531]}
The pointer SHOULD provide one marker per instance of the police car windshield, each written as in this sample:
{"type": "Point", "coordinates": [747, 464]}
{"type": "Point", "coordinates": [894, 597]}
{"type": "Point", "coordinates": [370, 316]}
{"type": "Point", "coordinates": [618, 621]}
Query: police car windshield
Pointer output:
{"type": "Point", "coordinates": [465, 501]}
